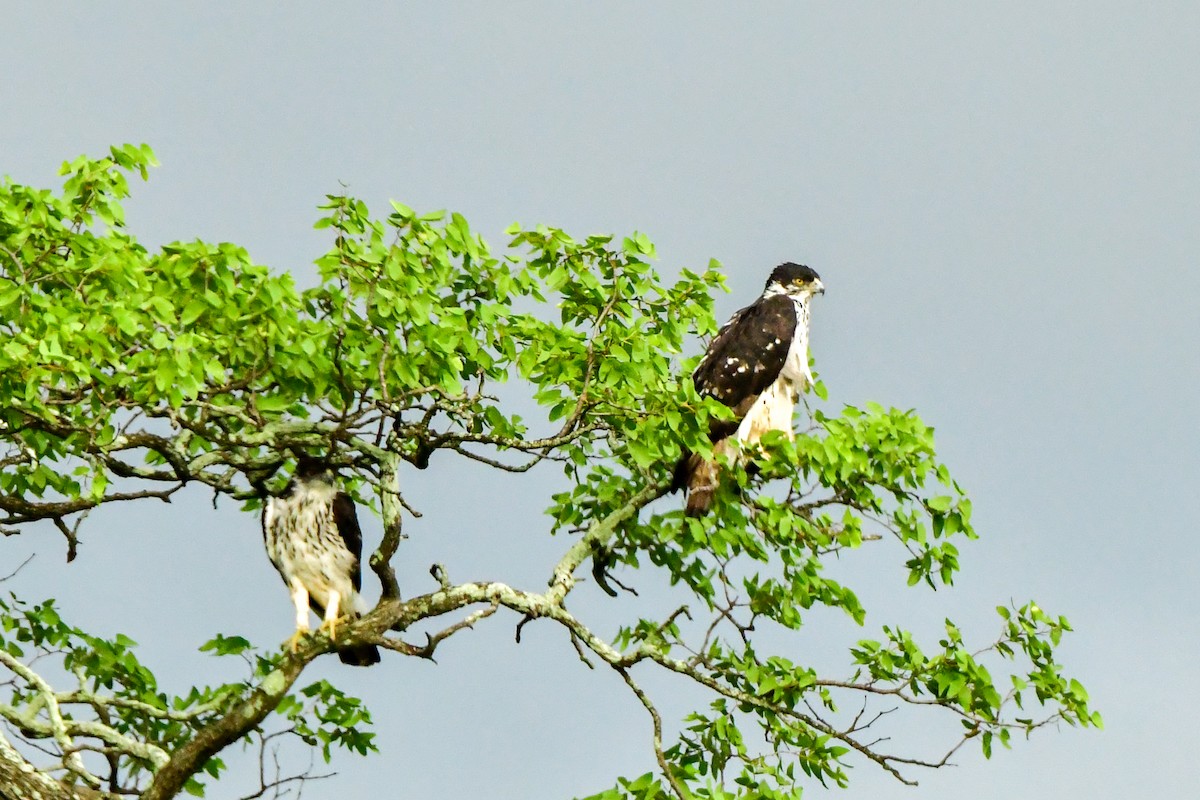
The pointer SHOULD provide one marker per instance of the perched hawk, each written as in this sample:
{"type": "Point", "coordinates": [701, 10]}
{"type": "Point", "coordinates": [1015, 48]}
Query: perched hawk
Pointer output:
{"type": "Point", "coordinates": [758, 366]}
{"type": "Point", "coordinates": [312, 537]}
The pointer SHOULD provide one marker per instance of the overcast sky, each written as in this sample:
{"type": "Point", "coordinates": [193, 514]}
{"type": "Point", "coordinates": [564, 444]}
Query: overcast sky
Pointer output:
{"type": "Point", "coordinates": [1002, 199]}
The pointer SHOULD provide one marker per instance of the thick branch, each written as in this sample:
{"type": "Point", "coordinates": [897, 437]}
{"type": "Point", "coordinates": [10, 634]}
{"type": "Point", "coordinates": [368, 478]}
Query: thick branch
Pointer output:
{"type": "Point", "coordinates": [21, 780]}
{"type": "Point", "coordinates": [598, 535]}
{"type": "Point", "coordinates": [56, 727]}
{"type": "Point", "coordinates": [391, 507]}
{"type": "Point", "coordinates": [240, 720]}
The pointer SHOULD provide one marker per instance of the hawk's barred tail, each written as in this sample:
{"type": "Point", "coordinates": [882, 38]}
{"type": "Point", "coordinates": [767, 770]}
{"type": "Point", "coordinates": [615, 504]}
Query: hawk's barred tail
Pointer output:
{"type": "Point", "coordinates": [679, 477]}
{"type": "Point", "coordinates": [698, 502]}
{"type": "Point", "coordinates": [363, 656]}
{"type": "Point", "coordinates": [699, 478]}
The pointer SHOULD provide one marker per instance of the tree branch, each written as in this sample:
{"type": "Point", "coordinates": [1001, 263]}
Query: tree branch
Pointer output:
{"type": "Point", "coordinates": [21, 780]}
{"type": "Point", "coordinates": [679, 789]}
{"type": "Point", "coordinates": [597, 536]}
{"type": "Point", "coordinates": [242, 718]}
{"type": "Point", "coordinates": [432, 641]}
{"type": "Point", "coordinates": [390, 503]}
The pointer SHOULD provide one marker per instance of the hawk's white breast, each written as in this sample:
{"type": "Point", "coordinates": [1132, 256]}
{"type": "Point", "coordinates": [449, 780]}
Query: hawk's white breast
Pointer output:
{"type": "Point", "coordinates": [303, 542]}
{"type": "Point", "coordinates": [773, 409]}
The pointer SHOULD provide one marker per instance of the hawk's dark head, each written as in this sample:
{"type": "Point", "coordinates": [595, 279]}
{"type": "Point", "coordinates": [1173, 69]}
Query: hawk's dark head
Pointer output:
{"type": "Point", "coordinates": [310, 469]}
{"type": "Point", "coordinates": [795, 280]}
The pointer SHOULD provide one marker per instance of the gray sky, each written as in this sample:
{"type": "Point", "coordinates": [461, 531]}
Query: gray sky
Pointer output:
{"type": "Point", "coordinates": [1001, 198]}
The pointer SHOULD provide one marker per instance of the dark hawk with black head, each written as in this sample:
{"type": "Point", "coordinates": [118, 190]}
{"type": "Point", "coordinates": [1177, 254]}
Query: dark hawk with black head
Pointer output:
{"type": "Point", "coordinates": [758, 366]}
{"type": "Point", "coordinates": [312, 537]}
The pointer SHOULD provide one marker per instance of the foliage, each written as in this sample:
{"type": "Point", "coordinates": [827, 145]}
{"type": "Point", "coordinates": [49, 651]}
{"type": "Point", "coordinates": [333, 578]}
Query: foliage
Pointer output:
{"type": "Point", "coordinates": [126, 374]}
{"type": "Point", "coordinates": [117, 705]}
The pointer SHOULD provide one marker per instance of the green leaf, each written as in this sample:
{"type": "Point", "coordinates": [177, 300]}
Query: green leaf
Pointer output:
{"type": "Point", "coordinates": [940, 503]}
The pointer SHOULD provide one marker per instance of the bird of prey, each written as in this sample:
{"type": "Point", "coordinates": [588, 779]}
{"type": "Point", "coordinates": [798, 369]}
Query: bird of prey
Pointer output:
{"type": "Point", "coordinates": [758, 366]}
{"type": "Point", "coordinates": [312, 537]}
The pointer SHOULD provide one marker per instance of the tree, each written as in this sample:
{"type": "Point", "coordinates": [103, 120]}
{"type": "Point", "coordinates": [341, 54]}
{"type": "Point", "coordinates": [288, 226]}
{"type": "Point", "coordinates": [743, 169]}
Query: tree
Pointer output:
{"type": "Point", "coordinates": [128, 375]}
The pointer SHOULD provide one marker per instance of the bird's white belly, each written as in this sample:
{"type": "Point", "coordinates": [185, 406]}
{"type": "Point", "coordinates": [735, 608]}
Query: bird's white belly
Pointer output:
{"type": "Point", "coordinates": [773, 409]}
{"type": "Point", "coordinates": [320, 563]}
{"type": "Point", "coordinates": [795, 370]}
{"type": "Point", "coordinates": [320, 572]}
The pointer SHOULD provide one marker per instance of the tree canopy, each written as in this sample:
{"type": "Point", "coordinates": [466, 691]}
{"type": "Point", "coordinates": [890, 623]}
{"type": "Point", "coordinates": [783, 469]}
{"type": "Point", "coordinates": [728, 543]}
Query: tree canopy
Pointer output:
{"type": "Point", "coordinates": [130, 374]}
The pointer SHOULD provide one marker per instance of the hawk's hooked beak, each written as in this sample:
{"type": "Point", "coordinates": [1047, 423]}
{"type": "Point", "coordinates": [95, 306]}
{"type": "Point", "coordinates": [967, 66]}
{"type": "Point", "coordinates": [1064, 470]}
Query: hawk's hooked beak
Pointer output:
{"type": "Point", "coordinates": [818, 287]}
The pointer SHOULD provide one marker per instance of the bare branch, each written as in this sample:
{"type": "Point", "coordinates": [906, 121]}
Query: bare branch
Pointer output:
{"type": "Point", "coordinates": [277, 783]}
{"type": "Point", "coordinates": [432, 641]}
{"type": "Point", "coordinates": [20, 567]}
{"type": "Point", "coordinates": [663, 764]}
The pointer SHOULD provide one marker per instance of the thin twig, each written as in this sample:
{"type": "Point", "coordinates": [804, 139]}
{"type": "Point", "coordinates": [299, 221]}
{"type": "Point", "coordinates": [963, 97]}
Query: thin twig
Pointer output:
{"type": "Point", "coordinates": [679, 789]}
{"type": "Point", "coordinates": [19, 568]}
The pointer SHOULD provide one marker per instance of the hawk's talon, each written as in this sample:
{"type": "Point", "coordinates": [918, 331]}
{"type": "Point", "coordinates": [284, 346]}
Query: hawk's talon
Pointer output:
{"type": "Point", "coordinates": [330, 626]}
{"type": "Point", "coordinates": [294, 641]}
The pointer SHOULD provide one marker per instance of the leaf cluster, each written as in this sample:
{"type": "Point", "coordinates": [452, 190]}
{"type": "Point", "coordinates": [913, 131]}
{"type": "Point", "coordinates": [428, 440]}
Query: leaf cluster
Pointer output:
{"type": "Point", "coordinates": [118, 708]}
{"type": "Point", "coordinates": [127, 373]}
